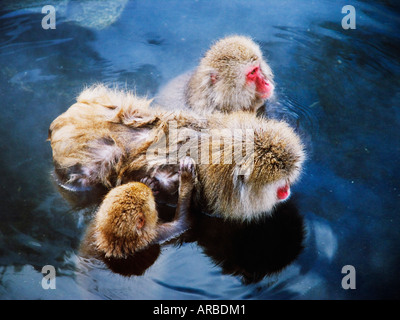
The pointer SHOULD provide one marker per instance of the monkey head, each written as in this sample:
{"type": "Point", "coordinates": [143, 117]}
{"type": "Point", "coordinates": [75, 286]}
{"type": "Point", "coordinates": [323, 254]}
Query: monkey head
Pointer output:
{"type": "Point", "coordinates": [126, 220]}
{"type": "Point", "coordinates": [249, 187]}
{"type": "Point", "coordinates": [232, 76]}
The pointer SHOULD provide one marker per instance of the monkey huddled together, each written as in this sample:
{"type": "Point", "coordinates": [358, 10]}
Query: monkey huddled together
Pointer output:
{"type": "Point", "coordinates": [201, 145]}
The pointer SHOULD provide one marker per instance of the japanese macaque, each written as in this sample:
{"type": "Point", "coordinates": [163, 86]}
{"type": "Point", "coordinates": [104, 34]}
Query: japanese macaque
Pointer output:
{"type": "Point", "coordinates": [231, 76]}
{"type": "Point", "coordinates": [245, 165]}
{"type": "Point", "coordinates": [127, 220]}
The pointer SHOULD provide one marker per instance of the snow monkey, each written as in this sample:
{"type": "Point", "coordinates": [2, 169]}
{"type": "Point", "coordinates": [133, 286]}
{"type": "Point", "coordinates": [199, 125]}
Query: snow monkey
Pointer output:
{"type": "Point", "coordinates": [127, 220]}
{"type": "Point", "coordinates": [111, 137]}
{"type": "Point", "coordinates": [231, 76]}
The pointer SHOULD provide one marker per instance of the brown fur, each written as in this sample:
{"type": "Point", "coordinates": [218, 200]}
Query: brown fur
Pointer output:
{"type": "Point", "coordinates": [105, 138]}
{"type": "Point", "coordinates": [225, 62]}
{"type": "Point", "coordinates": [126, 220]}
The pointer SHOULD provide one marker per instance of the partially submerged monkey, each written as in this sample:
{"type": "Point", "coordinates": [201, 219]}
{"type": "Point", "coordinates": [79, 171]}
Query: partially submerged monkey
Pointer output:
{"type": "Point", "coordinates": [111, 137]}
{"type": "Point", "coordinates": [127, 220]}
{"type": "Point", "coordinates": [232, 76]}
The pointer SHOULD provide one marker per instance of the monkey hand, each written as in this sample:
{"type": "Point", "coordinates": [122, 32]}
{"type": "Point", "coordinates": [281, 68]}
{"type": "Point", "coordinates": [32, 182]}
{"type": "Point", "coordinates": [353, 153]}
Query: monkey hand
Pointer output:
{"type": "Point", "coordinates": [152, 183]}
{"type": "Point", "coordinates": [187, 176]}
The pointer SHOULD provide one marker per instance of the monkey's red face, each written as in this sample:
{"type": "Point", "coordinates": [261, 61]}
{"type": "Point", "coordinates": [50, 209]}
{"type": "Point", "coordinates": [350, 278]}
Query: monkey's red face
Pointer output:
{"type": "Point", "coordinates": [264, 87]}
{"type": "Point", "coordinates": [283, 193]}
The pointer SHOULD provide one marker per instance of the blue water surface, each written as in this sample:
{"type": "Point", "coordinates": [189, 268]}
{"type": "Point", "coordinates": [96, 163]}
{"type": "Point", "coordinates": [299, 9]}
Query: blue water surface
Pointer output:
{"type": "Point", "coordinates": [339, 88]}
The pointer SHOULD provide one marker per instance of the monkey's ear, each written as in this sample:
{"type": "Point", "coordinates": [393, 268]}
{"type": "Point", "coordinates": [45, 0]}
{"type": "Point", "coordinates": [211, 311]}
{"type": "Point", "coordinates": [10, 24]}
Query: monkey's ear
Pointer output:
{"type": "Point", "coordinates": [140, 220]}
{"type": "Point", "coordinates": [214, 76]}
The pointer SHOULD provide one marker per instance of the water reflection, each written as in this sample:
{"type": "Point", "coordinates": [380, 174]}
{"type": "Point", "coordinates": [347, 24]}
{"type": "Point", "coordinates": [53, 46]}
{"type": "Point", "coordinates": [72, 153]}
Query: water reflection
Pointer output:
{"type": "Point", "coordinates": [250, 250]}
{"type": "Point", "coordinates": [325, 239]}
{"type": "Point", "coordinates": [96, 14]}
{"type": "Point", "coordinates": [134, 265]}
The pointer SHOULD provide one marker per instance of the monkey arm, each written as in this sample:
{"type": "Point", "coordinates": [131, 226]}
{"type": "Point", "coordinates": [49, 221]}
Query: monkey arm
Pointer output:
{"type": "Point", "coordinates": [180, 224]}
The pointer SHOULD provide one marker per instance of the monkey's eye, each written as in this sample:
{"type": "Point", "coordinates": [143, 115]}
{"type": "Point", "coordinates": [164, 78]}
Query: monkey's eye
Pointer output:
{"type": "Point", "coordinates": [253, 73]}
{"type": "Point", "coordinates": [254, 70]}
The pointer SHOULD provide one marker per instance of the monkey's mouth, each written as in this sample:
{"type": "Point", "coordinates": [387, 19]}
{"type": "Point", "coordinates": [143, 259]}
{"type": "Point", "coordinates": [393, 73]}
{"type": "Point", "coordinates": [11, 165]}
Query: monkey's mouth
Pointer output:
{"type": "Point", "coordinates": [266, 91]}
{"type": "Point", "coordinates": [265, 95]}
{"type": "Point", "coordinates": [283, 192]}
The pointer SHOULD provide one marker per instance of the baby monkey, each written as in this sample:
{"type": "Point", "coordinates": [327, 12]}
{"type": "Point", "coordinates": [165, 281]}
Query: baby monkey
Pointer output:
{"type": "Point", "coordinates": [232, 76]}
{"type": "Point", "coordinates": [127, 220]}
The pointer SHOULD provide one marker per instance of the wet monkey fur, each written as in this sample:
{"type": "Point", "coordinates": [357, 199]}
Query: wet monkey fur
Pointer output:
{"type": "Point", "coordinates": [127, 220]}
{"type": "Point", "coordinates": [106, 138]}
{"type": "Point", "coordinates": [232, 76]}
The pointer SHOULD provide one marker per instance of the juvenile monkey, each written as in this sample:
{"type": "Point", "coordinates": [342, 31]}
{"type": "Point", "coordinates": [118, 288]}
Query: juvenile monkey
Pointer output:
{"type": "Point", "coordinates": [111, 137]}
{"type": "Point", "coordinates": [127, 220]}
{"type": "Point", "coordinates": [231, 76]}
